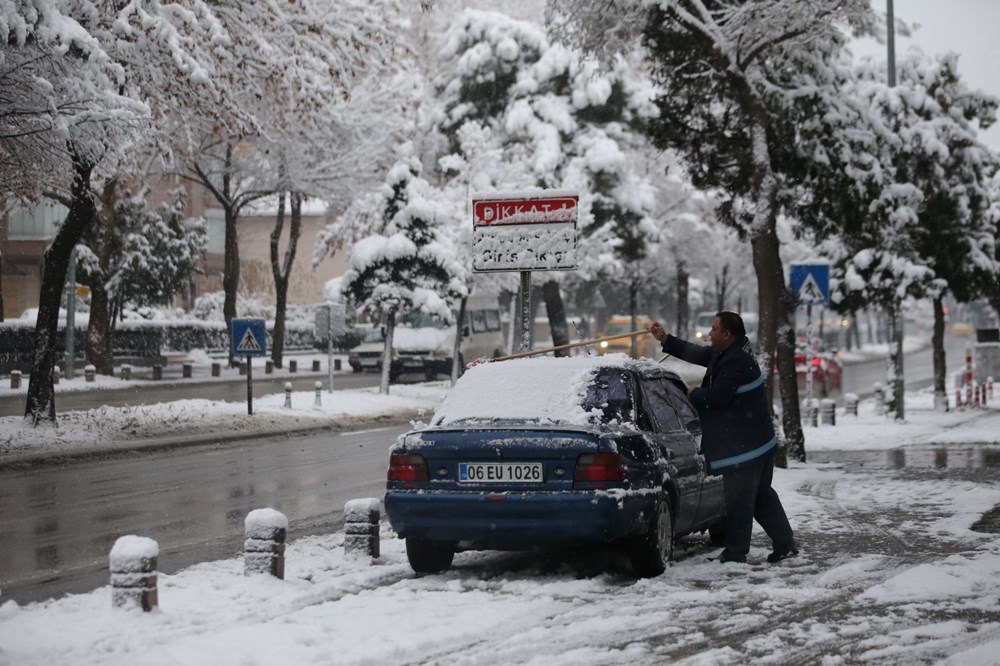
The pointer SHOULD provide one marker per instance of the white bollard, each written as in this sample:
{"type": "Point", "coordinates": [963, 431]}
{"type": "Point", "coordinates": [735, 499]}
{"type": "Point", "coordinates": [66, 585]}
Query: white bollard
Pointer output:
{"type": "Point", "coordinates": [361, 523]}
{"type": "Point", "coordinates": [879, 392]}
{"type": "Point", "coordinates": [133, 573]}
{"type": "Point", "coordinates": [318, 402]}
{"type": "Point", "coordinates": [89, 372]}
{"type": "Point", "coordinates": [15, 379]}
{"type": "Point", "coordinates": [828, 411]}
{"type": "Point", "coordinates": [264, 548]}
{"type": "Point", "coordinates": [288, 395]}
{"type": "Point", "coordinates": [851, 404]}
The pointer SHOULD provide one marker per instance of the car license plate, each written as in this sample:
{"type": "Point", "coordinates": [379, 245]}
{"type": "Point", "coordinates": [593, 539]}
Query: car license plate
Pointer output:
{"type": "Point", "coordinates": [500, 472]}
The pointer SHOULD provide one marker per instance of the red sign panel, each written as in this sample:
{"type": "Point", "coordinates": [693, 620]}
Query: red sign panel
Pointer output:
{"type": "Point", "coordinates": [543, 210]}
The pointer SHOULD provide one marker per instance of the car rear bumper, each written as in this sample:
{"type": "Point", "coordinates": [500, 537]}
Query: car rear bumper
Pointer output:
{"type": "Point", "coordinates": [521, 518]}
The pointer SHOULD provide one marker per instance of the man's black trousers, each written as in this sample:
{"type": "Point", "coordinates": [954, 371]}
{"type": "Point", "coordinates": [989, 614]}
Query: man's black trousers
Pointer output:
{"type": "Point", "coordinates": [749, 497]}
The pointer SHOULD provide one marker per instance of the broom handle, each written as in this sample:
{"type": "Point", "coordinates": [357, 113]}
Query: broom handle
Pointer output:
{"type": "Point", "coordinates": [571, 345]}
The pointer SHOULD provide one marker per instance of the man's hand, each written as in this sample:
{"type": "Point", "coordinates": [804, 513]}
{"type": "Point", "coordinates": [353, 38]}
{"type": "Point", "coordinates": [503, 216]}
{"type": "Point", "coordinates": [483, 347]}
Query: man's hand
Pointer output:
{"type": "Point", "coordinates": [657, 332]}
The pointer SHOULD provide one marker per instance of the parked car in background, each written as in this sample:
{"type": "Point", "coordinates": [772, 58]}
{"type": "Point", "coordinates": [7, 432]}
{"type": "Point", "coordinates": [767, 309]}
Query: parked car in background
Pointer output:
{"type": "Point", "coordinates": [538, 452]}
{"type": "Point", "coordinates": [827, 370]}
{"type": "Point", "coordinates": [424, 344]}
{"type": "Point", "coordinates": [646, 345]}
{"type": "Point", "coordinates": [702, 325]}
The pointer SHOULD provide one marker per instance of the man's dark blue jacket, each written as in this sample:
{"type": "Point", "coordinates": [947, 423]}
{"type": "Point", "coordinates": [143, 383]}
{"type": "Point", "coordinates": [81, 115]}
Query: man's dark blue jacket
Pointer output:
{"type": "Point", "coordinates": [736, 423]}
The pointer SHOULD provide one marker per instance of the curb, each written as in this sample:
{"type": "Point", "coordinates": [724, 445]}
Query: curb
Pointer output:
{"type": "Point", "coordinates": [30, 460]}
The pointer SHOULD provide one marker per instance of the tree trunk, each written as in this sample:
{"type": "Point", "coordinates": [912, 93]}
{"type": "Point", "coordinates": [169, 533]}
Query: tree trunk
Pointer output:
{"type": "Point", "coordinates": [895, 394]}
{"type": "Point", "coordinates": [230, 272]}
{"type": "Point", "coordinates": [940, 365]}
{"type": "Point", "coordinates": [1, 288]}
{"type": "Point", "coordinates": [683, 310]}
{"type": "Point", "coordinates": [41, 404]}
{"type": "Point", "coordinates": [282, 271]}
{"type": "Point", "coordinates": [390, 325]}
{"type": "Point", "coordinates": [556, 311]}
{"type": "Point", "coordinates": [721, 287]}
{"type": "Point", "coordinates": [795, 441]}
{"type": "Point", "coordinates": [456, 353]}
{"type": "Point", "coordinates": [102, 241]}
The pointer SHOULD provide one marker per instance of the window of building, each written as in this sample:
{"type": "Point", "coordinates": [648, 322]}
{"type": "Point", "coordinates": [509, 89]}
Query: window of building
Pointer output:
{"type": "Point", "coordinates": [38, 223]}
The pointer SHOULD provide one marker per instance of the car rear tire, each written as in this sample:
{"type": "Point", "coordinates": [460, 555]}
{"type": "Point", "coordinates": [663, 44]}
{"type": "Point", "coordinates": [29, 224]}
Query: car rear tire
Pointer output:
{"type": "Point", "coordinates": [717, 533]}
{"type": "Point", "coordinates": [651, 552]}
{"type": "Point", "coordinates": [428, 556]}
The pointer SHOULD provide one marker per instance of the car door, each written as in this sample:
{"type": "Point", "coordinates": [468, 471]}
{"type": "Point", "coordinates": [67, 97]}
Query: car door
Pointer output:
{"type": "Point", "coordinates": [711, 504]}
{"type": "Point", "coordinates": [679, 447]}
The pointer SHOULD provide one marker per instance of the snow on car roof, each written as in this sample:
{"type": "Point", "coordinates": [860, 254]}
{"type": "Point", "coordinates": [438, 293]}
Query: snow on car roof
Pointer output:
{"type": "Point", "coordinates": [546, 389]}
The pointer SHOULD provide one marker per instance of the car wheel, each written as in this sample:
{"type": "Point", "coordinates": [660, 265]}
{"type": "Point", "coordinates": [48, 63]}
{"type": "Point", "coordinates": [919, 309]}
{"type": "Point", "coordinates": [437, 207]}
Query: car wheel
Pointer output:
{"type": "Point", "coordinates": [651, 552]}
{"type": "Point", "coordinates": [717, 533]}
{"type": "Point", "coordinates": [428, 556]}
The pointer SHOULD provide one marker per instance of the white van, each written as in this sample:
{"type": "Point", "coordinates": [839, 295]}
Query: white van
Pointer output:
{"type": "Point", "coordinates": [423, 344]}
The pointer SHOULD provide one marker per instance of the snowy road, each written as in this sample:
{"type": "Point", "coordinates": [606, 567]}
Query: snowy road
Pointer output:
{"type": "Point", "coordinates": [64, 519]}
{"type": "Point", "coordinates": [890, 573]}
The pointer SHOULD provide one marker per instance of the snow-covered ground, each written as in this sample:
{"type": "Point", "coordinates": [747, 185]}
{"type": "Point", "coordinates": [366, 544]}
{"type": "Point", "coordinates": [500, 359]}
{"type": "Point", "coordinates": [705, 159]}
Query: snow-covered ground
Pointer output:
{"type": "Point", "coordinates": [891, 571]}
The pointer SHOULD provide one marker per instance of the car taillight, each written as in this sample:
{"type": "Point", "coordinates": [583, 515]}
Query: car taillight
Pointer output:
{"type": "Point", "coordinates": [407, 467]}
{"type": "Point", "coordinates": [592, 467]}
{"type": "Point", "coordinates": [816, 361]}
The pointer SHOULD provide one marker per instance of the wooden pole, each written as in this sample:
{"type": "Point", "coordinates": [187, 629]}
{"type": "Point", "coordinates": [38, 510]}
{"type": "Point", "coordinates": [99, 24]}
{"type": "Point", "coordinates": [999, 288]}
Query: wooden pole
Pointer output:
{"type": "Point", "coordinates": [571, 345]}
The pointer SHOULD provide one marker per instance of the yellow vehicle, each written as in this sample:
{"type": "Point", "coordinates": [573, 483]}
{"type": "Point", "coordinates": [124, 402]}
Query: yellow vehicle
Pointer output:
{"type": "Point", "coordinates": [645, 345]}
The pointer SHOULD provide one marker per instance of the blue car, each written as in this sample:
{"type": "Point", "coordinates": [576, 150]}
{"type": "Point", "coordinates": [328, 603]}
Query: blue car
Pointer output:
{"type": "Point", "coordinates": [539, 452]}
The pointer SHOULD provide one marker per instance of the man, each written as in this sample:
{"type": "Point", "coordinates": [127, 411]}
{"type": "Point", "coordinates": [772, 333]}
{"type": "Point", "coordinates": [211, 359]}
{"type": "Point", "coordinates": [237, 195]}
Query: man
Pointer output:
{"type": "Point", "coordinates": [738, 438]}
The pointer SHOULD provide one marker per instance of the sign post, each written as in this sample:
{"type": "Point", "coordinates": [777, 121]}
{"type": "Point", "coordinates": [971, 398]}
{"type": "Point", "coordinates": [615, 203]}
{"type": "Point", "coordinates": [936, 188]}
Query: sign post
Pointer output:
{"type": "Point", "coordinates": [249, 339]}
{"type": "Point", "coordinates": [524, 232]}
{"type": "Point", "coordinates": [331, 320]}
{"type": "Point", "coordinates": [810, 281]}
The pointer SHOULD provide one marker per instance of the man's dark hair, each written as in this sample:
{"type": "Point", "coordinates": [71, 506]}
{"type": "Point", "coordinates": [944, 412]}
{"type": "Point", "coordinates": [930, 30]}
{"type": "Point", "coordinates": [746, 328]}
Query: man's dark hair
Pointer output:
{"type": "Point", "coordinates": [732, 322]}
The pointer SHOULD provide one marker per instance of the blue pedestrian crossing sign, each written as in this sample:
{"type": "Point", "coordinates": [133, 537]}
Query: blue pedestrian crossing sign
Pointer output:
{"type": "Point", "coordinates": [810, 282]}
{"type": "Point", "coordinates": [249, 337]}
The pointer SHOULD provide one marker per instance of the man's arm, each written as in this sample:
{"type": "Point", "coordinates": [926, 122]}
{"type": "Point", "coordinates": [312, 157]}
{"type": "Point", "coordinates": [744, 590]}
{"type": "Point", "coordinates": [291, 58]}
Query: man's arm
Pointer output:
{"type": "Point", "coordinates": [682, 349]}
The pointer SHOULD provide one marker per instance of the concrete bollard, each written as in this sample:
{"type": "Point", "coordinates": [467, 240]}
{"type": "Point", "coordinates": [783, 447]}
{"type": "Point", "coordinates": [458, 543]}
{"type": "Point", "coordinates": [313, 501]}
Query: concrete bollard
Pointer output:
{"type": "Point", "coordinates": [243, 368]}
{"type": "Point", "coordinates": [269, 367]}
{"type": "Point", "coordinates": [336, 364]}
{"type": "Point", "coordinates": [318, 402]}
{"type": "Point", "coordinates": [133, 573]}
{"type": "Point", "coordinates": [958, 401]}
{"type": "Point", "coordinates": [293, 366]}
{"type": "Point", "coordinates": [361, 523]}
{"type": "Point", "coordinates": [15, 379]}
{"type": "Point", "coordinates": [879, 392]}
{"type": "Point", "coordinates": [288, 395]}
{"type": "Point", "coordinates": [126, 372]}
{"type": "Point", "coordinates": [315, 366]}
{"type": "Point", "coordinates": [264, 548]}
{"type": "Point", "coordinates": [187, 370]}
{"type": "Point", "coordinates": [89, 372]}
{"type": "Point", "coordinates": [851, 404]}
{"type": "Point", "coordinates": [216, 369]}
{"type": "Point", "coordinates": [56, 375]}
{"type": "Point", "coordinates": [989, 387]}
{"type": "Point", "coordinates": [828, 411]}
{"type": "Point", "coordinates": [157, 373]}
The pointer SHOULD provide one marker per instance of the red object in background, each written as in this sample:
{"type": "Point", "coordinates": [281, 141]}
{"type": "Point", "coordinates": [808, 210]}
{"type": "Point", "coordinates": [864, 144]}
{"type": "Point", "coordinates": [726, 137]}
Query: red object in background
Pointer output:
{"type": "Point", "coordinates": [827, 370]}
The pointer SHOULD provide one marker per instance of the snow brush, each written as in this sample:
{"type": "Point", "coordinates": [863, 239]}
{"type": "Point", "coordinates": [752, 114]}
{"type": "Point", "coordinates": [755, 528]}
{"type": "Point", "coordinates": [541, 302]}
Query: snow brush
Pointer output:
{"type": "Point", "coordinates": [546, 350]}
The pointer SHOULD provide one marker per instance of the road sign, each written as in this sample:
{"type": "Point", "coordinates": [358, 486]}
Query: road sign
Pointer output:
{"type": "Point", "coordinates": [324, 326]}
{"type": "Point", "coordinates": [533, 231]}
{"type": "Point", "coordinates": [249, 337]}
{"type": "Point", "coordinates": [811, 282]}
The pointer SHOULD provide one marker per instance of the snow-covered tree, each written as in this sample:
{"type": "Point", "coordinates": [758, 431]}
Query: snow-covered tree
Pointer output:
{"type": "Point", "coordinates": [406, 263]}
{"type": "Point", "coordinates": [912, 211]}
{"type": "Point", "coordinates": [134, 257]}
{"type": "Point", "coordinates": [571, 125]}
{"type": "Point", "coordinates": [95, 74]}
{"type": "Point", "coordinates": [731, 73]}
